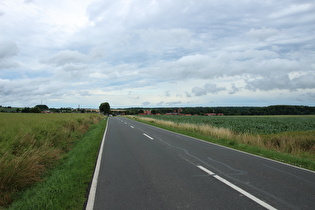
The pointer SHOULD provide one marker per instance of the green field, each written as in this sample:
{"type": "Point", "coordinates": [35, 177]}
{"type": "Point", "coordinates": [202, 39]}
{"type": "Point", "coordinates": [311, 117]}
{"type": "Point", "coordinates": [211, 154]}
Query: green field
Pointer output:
{"type": "Point", "coordinates": [249, 124]}
{"type": "Point", "coordinates": [293, 136]}
{"type": "Point", "coordinates": [32, 143]}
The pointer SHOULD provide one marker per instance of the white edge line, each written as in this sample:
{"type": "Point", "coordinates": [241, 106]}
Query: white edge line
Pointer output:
{"type": "Point", "coordinates": [250, 196]}
{"type": "Point", "coordinates": [90, 203]}
{"type": "Point", "coordinates": [148, 136]}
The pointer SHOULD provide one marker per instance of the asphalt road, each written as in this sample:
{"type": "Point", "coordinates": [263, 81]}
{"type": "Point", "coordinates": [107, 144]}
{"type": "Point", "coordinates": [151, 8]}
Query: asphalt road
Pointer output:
{"type": "Point", "coordinates": [144, 167]}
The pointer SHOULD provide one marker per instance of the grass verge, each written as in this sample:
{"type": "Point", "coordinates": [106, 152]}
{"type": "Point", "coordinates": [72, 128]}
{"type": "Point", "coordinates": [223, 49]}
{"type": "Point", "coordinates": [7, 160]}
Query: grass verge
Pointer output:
{"type": "Point", "coordinates": [65, 187]}
{"type": "Point", "coordinates": [244, 142]}
{"type": "Point", "coordinates": [32, 144]}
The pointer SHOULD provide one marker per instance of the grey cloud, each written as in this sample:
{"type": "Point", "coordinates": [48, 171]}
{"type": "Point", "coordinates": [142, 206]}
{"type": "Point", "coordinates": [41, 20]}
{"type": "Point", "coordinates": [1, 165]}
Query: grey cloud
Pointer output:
{"type": "Point", "coordinates": [66, 57]}
{"type": "Point", "coordinates": [311, 95]}
{"type": "Point", "coordinates": [155, 27]}
{"type": "Point", "coordinates": [167, 93]}
{"type": "Point", "coordinates": [292, 10]}
{"type": "Point", "coordinates": [29, 89]}
{"type": "Point", "coordinates": [220, 64]}
{"type": "Point", "coordinates": [8, 49]}
{"type": "Point", "coordinates": [207, 88]}
{"type": "Point", "coordinates": [199, 91]}
{"type": "Point", "coordinates": [305, 81]}
{"type": "Point", "coordinates": [70, 67]}
{"type": "Point", "coordinates": [7, 64]}
{"type": "Point", "coordinates": [28, 1]}
{"type": "Point", "coordinates": [282, 82]}
{"type": "Point", "coordinates": [187, 67]}
{"type": "Point", "coordinates": [263, 33]}
{"type": "Point", "coordinates": [234, 89]}
{"type": "Point", "coordinates": [192, 52]}
{"type": "Point", "coordinates": [84, 93]}
{"type": "Point", "coordinates": [169, 103]}
{"type": "Point", "coordinates": [143, 45]}
{"type": "Point", "coordinates": [268, 83]}
{"type": "Point", "coordinates": [188, 95]}
{"type": "Point", "coordinates": [166, 40]}
{"type": "Point", "coordinates": [146, 103]}
{"type": "Point", "coordinates": [173, 103]}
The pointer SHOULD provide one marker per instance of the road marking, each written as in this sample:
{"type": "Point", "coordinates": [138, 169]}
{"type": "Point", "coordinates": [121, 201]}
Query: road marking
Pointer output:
{"type": "Point", "coordinates": [250, 196]}
{"type": "Point", "coordinates": [148, 136]}
{"type": "Point", "coordinates": [206, 170]}
{"type": "Point", "coordinates": [91, 198]}
{"type": "Point", "coordinates": [132, 126]}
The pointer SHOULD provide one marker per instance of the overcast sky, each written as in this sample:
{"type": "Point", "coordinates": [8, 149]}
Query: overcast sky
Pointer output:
{"type": "Point", "coordinates": [157, 53]}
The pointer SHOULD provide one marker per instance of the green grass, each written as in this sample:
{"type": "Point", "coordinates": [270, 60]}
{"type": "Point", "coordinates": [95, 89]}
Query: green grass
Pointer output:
{"type": "Point", "coordinates": [295, 147]}
{"type": "Point", "coordinates": [30, 144]}
{"type": "Point", "coordinates": [66, 186]}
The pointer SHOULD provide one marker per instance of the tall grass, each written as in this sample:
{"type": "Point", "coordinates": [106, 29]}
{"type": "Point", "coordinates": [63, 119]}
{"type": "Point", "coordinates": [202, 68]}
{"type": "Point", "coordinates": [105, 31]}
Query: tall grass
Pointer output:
{"type": "Point", "coordinates": [32, 143]}
{"type": "Point", "coordinates": [298, 143]}
{"type": "Point", "coordinates": [65, 187]}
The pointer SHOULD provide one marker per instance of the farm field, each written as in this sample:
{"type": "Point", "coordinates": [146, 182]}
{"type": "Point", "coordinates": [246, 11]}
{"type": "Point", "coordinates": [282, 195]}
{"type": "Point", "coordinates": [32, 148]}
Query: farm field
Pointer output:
{"type": "Point", "coordinates": [249, 124]}
{"type": "Point", "coordinates": [32, 143]}
{"type": "Point", "coordinates": [293, 135]}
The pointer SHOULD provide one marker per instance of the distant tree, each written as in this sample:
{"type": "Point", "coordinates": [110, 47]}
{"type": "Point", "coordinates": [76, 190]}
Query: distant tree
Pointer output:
{"type": "Point", "coordinates": [35, 110]}
{"type": "Point", "coordinates": [26, 110]}
{"type": "Point", "coordinates": [105, 108]}
{"type": "Point", "coordinates": [42, 107]}
{"type": "Point", "coordinates": [153, 111]}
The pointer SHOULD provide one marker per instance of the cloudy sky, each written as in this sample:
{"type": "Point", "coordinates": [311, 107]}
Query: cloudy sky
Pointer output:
{"type": "Point", "coordinates": [157, 53]}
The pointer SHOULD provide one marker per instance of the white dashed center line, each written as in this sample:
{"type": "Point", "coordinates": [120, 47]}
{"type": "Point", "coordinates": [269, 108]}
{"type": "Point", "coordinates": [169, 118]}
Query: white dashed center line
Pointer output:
{"type": "Point", "coordinates": [250, 196]}
{"type": "Point", "coordinates": [148, 136]}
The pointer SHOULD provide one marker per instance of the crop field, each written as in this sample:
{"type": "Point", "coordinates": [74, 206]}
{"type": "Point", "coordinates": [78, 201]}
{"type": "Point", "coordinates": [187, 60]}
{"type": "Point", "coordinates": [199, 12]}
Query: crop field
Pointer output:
{"type": "Point", "coordinates": [32, 143]}
{"type": "Point", "coordinates": [293, 135]}
{"type": "Point", "coordinates": [248, 124]}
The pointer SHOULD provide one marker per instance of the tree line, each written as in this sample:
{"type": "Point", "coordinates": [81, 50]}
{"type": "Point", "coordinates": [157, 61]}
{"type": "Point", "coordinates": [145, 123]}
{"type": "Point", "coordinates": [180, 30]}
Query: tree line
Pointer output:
{"type": "Point", "coordinates": [44, 108]}
{"type": "Point", "coordinates": [269, 110]}
{"type": "Point", "coordinates": [241, 110]}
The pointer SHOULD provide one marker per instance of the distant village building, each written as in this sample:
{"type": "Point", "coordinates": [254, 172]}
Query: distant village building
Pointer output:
{"type": "Point", "coordinates": [210, 114]}
{"type": "Point", "coordinates": [145, 112]}
{"type": "Point", "coordinates": [213, 114]}
{"type": "Point", "coordinates": [175, 112]}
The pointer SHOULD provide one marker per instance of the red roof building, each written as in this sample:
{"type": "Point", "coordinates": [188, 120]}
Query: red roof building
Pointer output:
{"type": "Point", "coordinates": [210, 114]}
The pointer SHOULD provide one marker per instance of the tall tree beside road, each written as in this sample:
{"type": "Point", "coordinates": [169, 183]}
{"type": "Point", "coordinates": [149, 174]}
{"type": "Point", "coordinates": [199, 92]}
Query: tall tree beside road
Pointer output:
{"type": "Point", "coordinates": [105, 108]}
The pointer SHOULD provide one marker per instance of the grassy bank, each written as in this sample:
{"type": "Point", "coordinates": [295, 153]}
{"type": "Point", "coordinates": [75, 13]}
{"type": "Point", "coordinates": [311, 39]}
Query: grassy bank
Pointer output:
{"type": "Point", "coordinates": [66, 186]}
{"type": "Point", "coordinates": [293, 146]}
{"type": "Point", "coordinates": [30, 144]}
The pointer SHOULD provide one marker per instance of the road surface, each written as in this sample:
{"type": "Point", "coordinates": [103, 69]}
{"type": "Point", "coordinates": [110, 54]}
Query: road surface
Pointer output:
{"type": "Point", "coordinates": [144, 167]}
